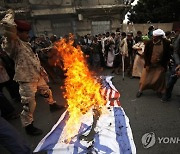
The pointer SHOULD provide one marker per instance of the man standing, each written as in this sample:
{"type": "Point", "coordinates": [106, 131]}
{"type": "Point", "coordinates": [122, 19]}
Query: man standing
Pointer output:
{"type": "Point", "coordinates": [29, 73]}
{"type": "Point", "coordinates": [174, 71]}
{"type": "Point", "coordinates": [156, 56]}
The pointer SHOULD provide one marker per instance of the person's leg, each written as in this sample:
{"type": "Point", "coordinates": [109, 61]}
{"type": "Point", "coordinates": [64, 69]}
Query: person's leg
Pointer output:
{"type": "Point", "coordinates": [12, 140]}
{"type": "Point", "coordinates": [139, 93]}
{"type": "Point", "coordinates": [6, 108]}
{"type": "Point", "coordinates": [1, 87]}
{"type": "Point", "coordinates": [169, 88]}
{"type": "Point", "coordinates": [142, 82]}
{"type": "Point", "coordinates": [27, 92]}
{"type": "Point", "coordinates": [44, 90]}
{"type": "Point", "coordinates": [131, 61]}
{"type": "Point", "coordinates": [13, 89]}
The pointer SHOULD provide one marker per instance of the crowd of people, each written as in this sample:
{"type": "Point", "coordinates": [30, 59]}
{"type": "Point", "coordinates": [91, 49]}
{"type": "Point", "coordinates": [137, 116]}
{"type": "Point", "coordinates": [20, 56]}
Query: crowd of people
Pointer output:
{"type": "Point", "coordinates": [26, 64]}
{"type": "Point", "coordinates": [148, 57]}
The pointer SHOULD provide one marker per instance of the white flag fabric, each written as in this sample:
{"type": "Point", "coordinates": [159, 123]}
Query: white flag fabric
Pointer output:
{"type": "Point", "coordinates": [112, 135]}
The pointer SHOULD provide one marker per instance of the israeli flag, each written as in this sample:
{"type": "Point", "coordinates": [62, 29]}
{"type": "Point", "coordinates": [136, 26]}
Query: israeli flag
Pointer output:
{"type": "Point", "coordinates": [111, 135]}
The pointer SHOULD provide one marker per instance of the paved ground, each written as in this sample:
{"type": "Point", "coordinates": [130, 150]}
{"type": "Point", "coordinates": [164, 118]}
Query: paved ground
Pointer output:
{"type": "Point", "coordinates": [146, 114]}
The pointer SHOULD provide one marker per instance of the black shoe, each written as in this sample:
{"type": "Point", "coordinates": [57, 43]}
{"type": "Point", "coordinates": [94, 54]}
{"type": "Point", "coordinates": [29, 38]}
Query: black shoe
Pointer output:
{"type": "Point", "coordinates": [31, 130]}
{"type": "Point", "coordinates": [165, 99]}
{"type": "Point", "coordinates": [55, 107]}
{"type": "Point", "coordinates": [138, 94]}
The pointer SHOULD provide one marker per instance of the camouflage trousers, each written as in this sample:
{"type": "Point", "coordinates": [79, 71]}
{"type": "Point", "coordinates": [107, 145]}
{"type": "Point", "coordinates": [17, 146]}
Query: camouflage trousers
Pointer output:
{"type": "Point", "coordinates": [28, 91]}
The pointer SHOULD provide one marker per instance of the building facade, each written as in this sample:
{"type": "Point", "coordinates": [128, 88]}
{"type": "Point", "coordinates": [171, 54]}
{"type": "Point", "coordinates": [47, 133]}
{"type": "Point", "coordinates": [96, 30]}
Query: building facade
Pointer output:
{"type": "Point", "coordinates": [62, 17]}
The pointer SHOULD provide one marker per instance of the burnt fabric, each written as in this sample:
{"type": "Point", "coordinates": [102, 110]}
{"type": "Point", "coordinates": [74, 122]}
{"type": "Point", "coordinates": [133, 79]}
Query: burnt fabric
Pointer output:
{"type": "Point", "coordinates": [112, 133]}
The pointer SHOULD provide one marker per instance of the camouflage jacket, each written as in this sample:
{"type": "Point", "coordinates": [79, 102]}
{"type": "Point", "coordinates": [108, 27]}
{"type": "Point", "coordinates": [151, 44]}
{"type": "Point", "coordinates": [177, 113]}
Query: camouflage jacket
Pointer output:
{"type": "Point", "coordinates": [27, 63]}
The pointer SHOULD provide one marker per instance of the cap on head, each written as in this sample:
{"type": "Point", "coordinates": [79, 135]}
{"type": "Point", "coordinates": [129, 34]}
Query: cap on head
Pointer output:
{"type": "Point", "coordinates": [23, 25]}
{"type": "Point", "coordinates": [158, 32]}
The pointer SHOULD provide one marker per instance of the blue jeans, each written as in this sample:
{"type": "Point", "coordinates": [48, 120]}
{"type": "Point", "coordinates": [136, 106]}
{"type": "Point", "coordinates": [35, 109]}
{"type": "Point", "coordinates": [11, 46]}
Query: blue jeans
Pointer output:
{"type": "Point", "coordinates": [170, 83]}
{"type": "Point", "coordinates": [12, 140]}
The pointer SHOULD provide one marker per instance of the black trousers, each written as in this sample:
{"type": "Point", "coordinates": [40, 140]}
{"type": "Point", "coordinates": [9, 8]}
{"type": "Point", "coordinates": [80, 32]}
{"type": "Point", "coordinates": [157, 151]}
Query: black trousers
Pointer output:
{"type": "Point", "coordinates": [170, 83]}
{"type": "Point", "coordinates": [5, 106]}
{"type": "Point", "coordinates": [12, 87]}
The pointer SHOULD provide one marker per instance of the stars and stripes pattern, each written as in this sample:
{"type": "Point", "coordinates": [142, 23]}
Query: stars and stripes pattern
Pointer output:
{"type": "Point", "coordinates": [110, 93]}
{"type": "Point", "coordinates": [113, 133]}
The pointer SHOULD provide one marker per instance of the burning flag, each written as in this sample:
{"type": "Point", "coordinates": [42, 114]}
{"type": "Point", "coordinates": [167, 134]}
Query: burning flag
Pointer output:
{"type": "Point", "coordinates": [94, 121]}
{"type": "Point", "coordinates": [82, 89]}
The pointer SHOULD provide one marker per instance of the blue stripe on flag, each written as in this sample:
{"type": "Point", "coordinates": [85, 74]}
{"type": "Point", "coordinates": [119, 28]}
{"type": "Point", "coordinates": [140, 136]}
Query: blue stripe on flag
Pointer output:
{"type": "Point", "coordinates": [77, 144]}
{"type": "Point", "coordinates": [53, 138]}
{"type": "Point", "coordinates": [100, 147]}
{"type": "Point", "coordinates": [121, 131]}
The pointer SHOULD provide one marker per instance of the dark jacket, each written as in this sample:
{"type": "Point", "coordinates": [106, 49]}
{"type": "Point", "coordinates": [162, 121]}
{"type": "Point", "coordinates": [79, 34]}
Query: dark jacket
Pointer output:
{"type": "Point", "coordinates": [8, 63]}
{"type": "Point", "coordinates": [176, 47]}
{"type": "Point", "coordinates": [167, 49]}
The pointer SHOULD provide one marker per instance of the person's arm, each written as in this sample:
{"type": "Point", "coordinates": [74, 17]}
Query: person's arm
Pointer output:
{"type": "Point", "coordinates": [137, 46]}
{"type": "Point", "coordinates": [10, 31]}
{"type": "Point", "coordinates": [176, 47]}
{"type": "Point", "coordinates": [178, 70]}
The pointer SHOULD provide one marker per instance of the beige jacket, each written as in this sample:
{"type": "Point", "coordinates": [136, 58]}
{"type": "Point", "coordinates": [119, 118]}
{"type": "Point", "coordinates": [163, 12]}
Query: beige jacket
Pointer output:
{"type": "Point", "coordinates": [139, 47]}
{"type": "Point", "coordinates": [124, 47]}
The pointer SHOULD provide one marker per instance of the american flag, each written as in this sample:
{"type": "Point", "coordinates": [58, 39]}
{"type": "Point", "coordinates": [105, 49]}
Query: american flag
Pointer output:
{"type": "Point", "coordinates": [110, 93]}
{"type": "Point", "coordinates": [113, 134]}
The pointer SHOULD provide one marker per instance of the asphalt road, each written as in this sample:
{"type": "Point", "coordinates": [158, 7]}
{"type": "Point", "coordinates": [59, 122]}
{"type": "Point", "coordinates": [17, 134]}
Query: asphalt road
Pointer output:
{"type": "Point", "coordinates": [146, 114]}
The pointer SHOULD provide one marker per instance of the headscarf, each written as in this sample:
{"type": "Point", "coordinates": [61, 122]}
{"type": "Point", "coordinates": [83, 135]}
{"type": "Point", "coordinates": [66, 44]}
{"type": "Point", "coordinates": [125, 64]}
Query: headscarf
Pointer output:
{"type": "Point", "coordinates": [159, 32]}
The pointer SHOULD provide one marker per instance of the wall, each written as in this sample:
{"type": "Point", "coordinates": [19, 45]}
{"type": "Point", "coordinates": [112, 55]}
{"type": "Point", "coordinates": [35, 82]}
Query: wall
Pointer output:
{"type": "Point", "coordinates": [144, 27]}
{"type": "Point", "coordinates": [98, 2]}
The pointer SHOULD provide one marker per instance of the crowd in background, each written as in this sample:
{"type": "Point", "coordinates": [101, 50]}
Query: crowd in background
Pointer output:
{"type": "Point", "coordinates": [107, 50]}
{"type": "Point", "coordinates": [145, 56]}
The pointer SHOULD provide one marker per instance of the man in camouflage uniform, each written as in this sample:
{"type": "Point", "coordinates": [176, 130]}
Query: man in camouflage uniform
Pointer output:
{"type": "Point", "coordinates": [29, 73]}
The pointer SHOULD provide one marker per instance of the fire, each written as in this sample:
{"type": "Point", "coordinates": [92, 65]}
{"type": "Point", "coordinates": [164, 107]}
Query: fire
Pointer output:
{"type": "Point", "coordinates": [82, 90]}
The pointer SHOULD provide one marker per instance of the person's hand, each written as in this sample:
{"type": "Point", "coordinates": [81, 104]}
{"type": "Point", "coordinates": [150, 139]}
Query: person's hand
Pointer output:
{"type": "Point", "coordinates": [8, 20]}
{"type": "Point", "coordinates": [9, 25]}
{"type": "Point", "coordinates": [177, 68]}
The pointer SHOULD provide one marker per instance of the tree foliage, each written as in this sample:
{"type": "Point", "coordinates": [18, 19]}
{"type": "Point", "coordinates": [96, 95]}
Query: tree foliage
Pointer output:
{"type": "Point", "coordinates": [155, 11]}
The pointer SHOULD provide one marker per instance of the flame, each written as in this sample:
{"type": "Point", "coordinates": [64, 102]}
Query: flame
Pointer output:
{"type": "Point", "coordinates": [82, 90]}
